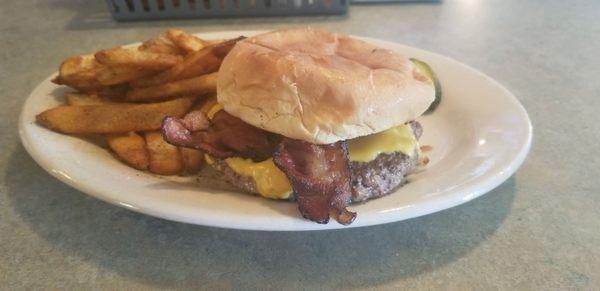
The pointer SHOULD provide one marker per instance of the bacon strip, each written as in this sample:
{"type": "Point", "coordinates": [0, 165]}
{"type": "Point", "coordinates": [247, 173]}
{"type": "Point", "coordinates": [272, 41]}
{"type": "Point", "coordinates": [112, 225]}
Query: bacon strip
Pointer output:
{"type": "Point", "coordinates": [196, 120]}
{"type": "Point", "coordinates": [320, 177]}
{"type": "Point", "coordinates": [225, 137]}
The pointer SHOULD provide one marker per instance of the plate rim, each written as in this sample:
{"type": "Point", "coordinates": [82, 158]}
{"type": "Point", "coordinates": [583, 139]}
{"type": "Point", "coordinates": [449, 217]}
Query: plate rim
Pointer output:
{"type": "Point", "coordinates": [427, 207]}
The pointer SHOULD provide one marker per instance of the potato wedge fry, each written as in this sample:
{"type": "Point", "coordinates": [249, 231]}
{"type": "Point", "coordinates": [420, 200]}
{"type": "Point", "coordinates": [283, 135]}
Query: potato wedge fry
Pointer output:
{"type": "Point", "coordinates": [194, 86]}
{"type": "Point", "coordinates": [213, 41]}
{"type": "Point", "coordinates": [79, 72]}
{"type": "Point", "coordinates": [185, 41]}
{"type": "Point", "coordinates": [160, 45]}
{"type": "Point", "coordinates": [79, 67]}
{"type": "Point", "coordinates": [114, 92]}
{"type": "Point", "coordinates": [160, 48]}
{"type": "Point", "coordinates": [134, 57]}
{"type": "Point", "coordinates": [112, 118]}
{"type": "Point", "coordinates": [131, 148]}
{"type": "Point", "coordinates": [165, 159]}
{"type": "Point", "coordinates": [204, 61]}
{"type": "Point", "coordinates": [122, 74]}
{"type": "Point", "coordinates": [192, 160]}
{"type": "Point", "coordinates": [85, 99]}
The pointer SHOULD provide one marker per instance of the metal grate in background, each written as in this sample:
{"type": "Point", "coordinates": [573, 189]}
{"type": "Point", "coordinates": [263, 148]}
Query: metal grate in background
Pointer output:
{"type": "Point", "coordinates": [163, 9]}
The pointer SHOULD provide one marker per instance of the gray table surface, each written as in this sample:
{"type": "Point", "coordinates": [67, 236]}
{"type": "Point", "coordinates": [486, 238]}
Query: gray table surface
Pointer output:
{"type": "Point", "coordinates": [540, 229]}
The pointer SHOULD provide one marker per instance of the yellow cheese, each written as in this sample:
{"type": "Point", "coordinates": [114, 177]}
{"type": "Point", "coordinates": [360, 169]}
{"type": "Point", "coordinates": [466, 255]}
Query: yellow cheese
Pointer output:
{"type": "Point", "coordinates": [208, 159]}
{"type": "Point", "coordinates": [397, 139]}
{"type": "Point", "coordinates": [270, 181]}
{"type": "Point", "coordinates": [213, 110]}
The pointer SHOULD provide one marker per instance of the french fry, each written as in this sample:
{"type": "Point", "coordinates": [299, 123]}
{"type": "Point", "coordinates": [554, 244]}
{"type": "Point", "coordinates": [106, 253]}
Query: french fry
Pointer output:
{"type": "Point", "coordinates": [114, 92]}
{"type": "Point", "coordinates": [185, 41]}
{"type": "Point", "coordinates": [213, 41]}
{"type": "Point", "coordinates": [79, 72]}
{"type": "Point", "coordinates": [78, 66]}
{"type": "Point", "coordinates": [112, 118]}
{"type": "Point", "coordinates": [160, 45]}
{"type": "Point", "coordinates": [85, 99]}
{"type": "Point", "coordinates": [165, 159]}
{"type": "Point", "coordinates": [169, 66]}
{"type": "Point", "coordinates": [204, 61]}
{"type": "Point", "coordinates": [131, 148]}
{"type": "Point", "coordinates": [192, 160]}
{"type": "Point", "coordinates": [193, 86]}
{"type": "Point", "coordinates": [136, 58]}
{"type": "Point", "coordinates": [121, 74]}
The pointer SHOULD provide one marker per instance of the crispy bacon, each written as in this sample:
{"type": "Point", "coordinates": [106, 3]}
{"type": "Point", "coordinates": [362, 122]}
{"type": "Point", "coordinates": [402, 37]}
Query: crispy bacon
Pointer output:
{"type": "Point", "coordinates": [226, 136]}
{"type": "Point", "coordinates": [320, 177]}
{"type": "Point", "coordinates": [196, 120]}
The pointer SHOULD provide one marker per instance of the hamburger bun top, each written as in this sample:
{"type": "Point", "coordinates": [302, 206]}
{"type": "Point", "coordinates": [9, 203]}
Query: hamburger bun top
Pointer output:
{"type": "Point", "coordinates": [319, 86]}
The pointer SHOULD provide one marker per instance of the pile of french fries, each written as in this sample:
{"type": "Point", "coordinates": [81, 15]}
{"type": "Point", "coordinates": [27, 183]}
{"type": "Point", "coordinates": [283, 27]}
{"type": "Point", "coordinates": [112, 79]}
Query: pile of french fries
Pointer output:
{"type": "Point", "coordinates": [123, 94]}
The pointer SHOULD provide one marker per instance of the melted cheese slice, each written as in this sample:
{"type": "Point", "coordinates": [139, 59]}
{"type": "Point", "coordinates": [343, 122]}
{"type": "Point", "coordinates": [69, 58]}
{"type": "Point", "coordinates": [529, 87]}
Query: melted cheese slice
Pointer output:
{"type": "Point", "coordinates": [213, 110]}
{"type": "Point", "coordinates": [397, 139]}
{"type": "Point", "coordinates": [271, 182]}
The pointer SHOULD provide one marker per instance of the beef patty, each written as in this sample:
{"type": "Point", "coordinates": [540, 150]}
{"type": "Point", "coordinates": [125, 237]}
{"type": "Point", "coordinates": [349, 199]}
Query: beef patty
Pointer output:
{"type": "Point", "coordinates": [369, 180]}
{"type": "Point", "coordinates": [383, 174]}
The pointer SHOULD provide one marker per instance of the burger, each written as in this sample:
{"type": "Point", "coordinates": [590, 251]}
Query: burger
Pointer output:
{"type": "Point", "coordinates": [320, 118]}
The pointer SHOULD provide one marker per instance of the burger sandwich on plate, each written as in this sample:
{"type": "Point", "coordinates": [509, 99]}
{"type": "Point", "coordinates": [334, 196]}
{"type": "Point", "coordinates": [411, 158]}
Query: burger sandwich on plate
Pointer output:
{"type": "Point", "coordinates": [312, 116]}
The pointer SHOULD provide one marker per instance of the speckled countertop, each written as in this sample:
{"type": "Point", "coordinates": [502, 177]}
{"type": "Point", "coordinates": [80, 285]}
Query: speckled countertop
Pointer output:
{"type": "Point", "coordinates": [538, 230]}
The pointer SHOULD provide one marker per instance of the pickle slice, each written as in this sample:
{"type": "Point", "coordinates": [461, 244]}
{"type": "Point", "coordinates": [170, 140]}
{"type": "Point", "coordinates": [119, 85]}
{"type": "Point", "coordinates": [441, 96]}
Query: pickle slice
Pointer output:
{"type": "Point", "coordinates": [425, 69]}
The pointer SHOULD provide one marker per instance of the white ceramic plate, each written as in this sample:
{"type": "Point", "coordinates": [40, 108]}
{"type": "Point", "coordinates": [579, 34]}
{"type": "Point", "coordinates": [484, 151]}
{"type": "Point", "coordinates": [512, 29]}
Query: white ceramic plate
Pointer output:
{"type": "Point", "coordinates": [480, 135]}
